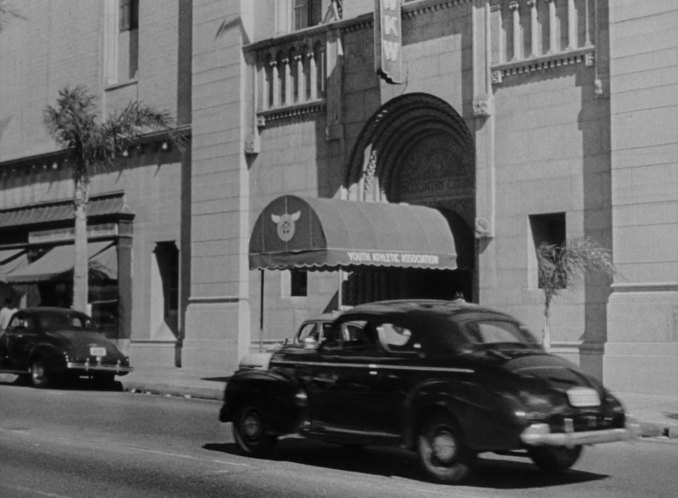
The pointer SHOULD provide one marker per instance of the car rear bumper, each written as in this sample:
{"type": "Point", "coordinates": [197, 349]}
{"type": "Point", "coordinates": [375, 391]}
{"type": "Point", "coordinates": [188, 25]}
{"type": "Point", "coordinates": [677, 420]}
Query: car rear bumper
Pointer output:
{"type": "Point", "coordinates": [98, 368]}
{"type": "Point", "coordinates": [540, 435]}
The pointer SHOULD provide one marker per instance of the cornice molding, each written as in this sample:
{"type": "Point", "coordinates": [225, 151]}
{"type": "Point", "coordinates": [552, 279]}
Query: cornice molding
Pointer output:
{"type": "Point", "coordinates": [584, 56]}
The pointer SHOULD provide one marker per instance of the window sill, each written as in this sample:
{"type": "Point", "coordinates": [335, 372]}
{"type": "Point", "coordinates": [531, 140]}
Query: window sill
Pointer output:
{"type": "Point", "coordinates": [116, 86]}
{"type": "Point", "coordinates": [291, 111]}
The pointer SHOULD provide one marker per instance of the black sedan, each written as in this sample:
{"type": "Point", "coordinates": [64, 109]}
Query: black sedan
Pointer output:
{"type": "Point", "coordinates": [47, 344]}
{"type": "Point", "coordinates": [446, 380]}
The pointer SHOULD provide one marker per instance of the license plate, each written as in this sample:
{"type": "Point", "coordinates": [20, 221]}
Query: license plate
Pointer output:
{"type": "Point", "coordinates": [97, 351]}
{"type": "Point", "coordinates": [583, 396]}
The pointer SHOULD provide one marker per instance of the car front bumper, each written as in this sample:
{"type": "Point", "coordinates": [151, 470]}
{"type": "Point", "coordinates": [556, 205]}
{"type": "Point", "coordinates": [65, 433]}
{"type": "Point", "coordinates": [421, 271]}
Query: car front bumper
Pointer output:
{"type": "Point", "coordinates": [98, 368]}
{"type": "Point", "coordinates": [540, 435]}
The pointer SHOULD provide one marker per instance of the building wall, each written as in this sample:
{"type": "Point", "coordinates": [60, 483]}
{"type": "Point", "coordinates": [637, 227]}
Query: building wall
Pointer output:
{"type": "Point", "coordinates": [586, 128]}
{"type": "Point", "coordinates": [217, 318]}
{"type": "Point", "coordinates": [63, 44]}
{"type": "Point", "coordinates": [642, 352]}
{"type": "Point", "coordinates": [299, 156]}
{"type": "Point", "coordinates": [40, 53]}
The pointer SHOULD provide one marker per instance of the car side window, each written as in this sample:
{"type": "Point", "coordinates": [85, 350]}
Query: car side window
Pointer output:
{"type": "Point", "coordinates": [493, 332]}
{"type": "Point", "coordinates": [360, 339]}
{"type": "Point", "coordinates": [395, 338]}
{"type": "Point", "coordinates": [353, 337]}
{"type": "Point", "coordinates": [23, 323]}
{"type": "Point", "coordinates": [307, 330]}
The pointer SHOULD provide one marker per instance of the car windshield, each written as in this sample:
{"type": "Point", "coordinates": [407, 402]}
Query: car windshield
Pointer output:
{"type": "Point", "coordinates": [55, 320]}
{"type": "Point", "coordinates": [495, 333]}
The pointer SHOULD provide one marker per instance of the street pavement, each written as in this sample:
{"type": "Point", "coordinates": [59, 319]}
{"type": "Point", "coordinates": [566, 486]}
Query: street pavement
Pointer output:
{"type": "Point", "coordinates": [657, 415]}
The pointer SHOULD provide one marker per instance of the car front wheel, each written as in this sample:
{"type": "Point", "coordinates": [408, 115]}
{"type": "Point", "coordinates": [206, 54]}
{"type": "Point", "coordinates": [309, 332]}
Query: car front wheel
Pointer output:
{"type": "Point", "coordinates": [250, 431]}
{"type": "Point", "coordinates": [39, 376]}
{"type": "Point", "coordinates": [442, 451]}
{"type": "Point", "coordinates": [554, 459]}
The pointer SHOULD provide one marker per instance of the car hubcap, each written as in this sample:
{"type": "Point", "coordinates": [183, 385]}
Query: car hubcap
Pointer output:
{"type": "Point", "coordinates": [38, 371]}
{"type": "Point", "coordinates": [251, 425]}
{"type": "Point", "coordinates": [444, 447]}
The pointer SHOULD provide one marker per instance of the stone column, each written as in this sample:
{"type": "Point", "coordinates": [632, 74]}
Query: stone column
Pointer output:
{"type": "Point", "coordinates": [571, 25]}
{"type": "Point", "coordinates": [124, 249]}
{"type": "Point", "coordinates": [288, 96]}
{"type": "Point", "coordinates": [313, 75]}
{"type": "Point", "coordinates": [553, 40]}
{"type": "Point", "coordinates": [517, 45]}
{"type": "Point", "coordinates": [275, 83]}
{"type": "Point", "coordinates": [534, 31]}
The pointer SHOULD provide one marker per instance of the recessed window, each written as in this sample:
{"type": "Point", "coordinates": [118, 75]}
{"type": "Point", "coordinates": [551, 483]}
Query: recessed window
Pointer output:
{"type": "Point", "coordinates": [546, 229]}
{"type": "Point", "coordinates": [307, 13]}
{"type": "Point", "coordinates": [129, 15]}
{"type": "Point", "coordinates": [122, 41]}
{"type": "Point", "coordinates": [298, 283]}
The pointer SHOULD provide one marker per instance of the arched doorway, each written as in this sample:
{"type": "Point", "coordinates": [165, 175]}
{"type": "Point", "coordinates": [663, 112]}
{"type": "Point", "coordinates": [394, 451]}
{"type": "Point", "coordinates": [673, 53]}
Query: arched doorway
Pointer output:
{"type": "Point", "coordinates": [417, 149]}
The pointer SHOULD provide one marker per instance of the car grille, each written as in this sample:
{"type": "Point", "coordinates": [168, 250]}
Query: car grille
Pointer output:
{"type": "Point", "coordinates": [588, 421]}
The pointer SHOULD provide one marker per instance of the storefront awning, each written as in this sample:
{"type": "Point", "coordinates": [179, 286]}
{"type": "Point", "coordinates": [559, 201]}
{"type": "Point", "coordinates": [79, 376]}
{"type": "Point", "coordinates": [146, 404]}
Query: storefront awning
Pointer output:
{"type": "Point", "coordinates": [11, 260]}
{"type": "Point", "coordinates": [327, 234]}
{"type": "Point", "coordinates": [53, 264]}
{"type": "Point", "coordinates": [59, 211]}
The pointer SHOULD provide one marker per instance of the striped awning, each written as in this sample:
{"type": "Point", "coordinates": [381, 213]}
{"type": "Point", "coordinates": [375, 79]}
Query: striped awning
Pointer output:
{"type": "Point", "coordinates": [11, 260]}
{"type": "Point", "coordinates": [51, 212]}
{"type": "Point", "coordinates": [328, 234]}
{"type": "Point", "coordinates": [59, 261]}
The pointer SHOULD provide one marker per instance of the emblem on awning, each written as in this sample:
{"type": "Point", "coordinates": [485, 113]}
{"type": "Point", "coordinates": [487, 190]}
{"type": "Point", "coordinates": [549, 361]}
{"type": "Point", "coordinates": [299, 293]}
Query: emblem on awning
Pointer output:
{"type": "Point", "coordinates": [286, 225]}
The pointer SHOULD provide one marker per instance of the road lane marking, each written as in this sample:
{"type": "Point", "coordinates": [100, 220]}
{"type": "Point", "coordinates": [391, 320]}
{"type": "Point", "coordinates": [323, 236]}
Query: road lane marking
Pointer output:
{"type": "Point", "coordinates": [34, 492]}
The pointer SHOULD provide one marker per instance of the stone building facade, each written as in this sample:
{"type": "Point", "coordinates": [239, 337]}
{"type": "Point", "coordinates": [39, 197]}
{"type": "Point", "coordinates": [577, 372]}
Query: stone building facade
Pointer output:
{"type": "Point", "coordinates": [521, 121]}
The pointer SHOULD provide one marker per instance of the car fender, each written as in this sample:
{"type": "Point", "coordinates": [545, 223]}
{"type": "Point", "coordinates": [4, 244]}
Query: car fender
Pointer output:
{"type": "Point", "coordinates": [280, 398]}
{"type": "Point", "coordinates": [480, 413]}
{"type": "Point", "coordinates": [52, 357]}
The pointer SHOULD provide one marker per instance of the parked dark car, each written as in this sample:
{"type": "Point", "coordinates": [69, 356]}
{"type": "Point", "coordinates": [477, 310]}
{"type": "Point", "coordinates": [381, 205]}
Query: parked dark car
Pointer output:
{"type": "Point", "coordinates": [315, 330]}
{"type": "Point", "coordinates": [47, 344]}
{"type": "Point", "coordinates": [447, 380]}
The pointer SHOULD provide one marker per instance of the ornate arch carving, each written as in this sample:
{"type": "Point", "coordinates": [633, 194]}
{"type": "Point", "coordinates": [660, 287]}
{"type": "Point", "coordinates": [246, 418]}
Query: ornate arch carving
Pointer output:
{"type": "Point", "coordinates": [399, 136]}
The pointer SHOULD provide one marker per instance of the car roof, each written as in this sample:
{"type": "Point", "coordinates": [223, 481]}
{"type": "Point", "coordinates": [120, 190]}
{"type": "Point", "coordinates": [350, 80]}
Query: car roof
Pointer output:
{"type": "Point", "coordinates": [49, 309]}
{"type": "Point", "coordinates": [419, 307]}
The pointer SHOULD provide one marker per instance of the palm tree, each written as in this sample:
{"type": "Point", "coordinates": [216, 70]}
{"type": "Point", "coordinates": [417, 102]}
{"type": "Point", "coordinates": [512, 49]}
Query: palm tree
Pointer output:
{"type": "Point", "coordinates": [92, 142]}
{"type": "Point", "coordinates": [7, 12]}
{"type": "Point", "coordinates": [562, 266]}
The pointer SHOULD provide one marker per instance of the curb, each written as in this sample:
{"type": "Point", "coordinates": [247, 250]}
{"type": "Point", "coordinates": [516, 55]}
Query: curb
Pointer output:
{"type": "Point", "coordinates": [199, 392]}
{"type": "Point", "coordinates": [658, 429]}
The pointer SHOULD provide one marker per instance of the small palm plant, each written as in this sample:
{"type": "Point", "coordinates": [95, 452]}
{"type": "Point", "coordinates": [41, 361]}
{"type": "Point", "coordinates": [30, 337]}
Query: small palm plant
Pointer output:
{"type": "Point", "coordinates": [7, 13]}
{"type": "Point", "coordinates": [93, 142]}
{"type": "Point", "coordinates": [563, 266]}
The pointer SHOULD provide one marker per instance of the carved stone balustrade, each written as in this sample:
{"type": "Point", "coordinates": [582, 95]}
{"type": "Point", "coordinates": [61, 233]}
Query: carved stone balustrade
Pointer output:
{"type": "Point", "coordinates": [536, 35]}
{"type": "Point", "coordinates": [290, 74]}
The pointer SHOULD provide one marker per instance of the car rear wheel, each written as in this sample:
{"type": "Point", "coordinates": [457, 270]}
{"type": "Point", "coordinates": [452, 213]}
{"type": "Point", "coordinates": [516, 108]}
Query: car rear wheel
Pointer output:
{"type": "Point", "coordinates": [556, 459]}
{"type": "Point", "coordinates": [39, 377]}
{"type": "Point", "coordinates": [442, 451]}
{"type": "Point", "coordinates": [250, 431]}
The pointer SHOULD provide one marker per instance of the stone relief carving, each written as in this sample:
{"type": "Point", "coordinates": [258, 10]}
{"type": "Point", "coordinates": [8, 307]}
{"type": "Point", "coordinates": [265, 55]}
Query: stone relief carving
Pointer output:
{"type": "Point", "coordinates": [483, 228]}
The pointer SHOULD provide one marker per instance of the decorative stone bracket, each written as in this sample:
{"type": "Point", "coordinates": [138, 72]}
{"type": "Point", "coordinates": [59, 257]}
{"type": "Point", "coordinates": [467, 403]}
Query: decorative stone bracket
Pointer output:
{"type": "Point", "coordinates": [483, 229]}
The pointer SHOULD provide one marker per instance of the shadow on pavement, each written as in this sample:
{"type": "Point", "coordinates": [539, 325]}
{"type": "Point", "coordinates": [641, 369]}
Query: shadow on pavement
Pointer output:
{"type": "Point", "coordinates": [82, 384]}
{"type": "Point", "coordinates": [491, 471]}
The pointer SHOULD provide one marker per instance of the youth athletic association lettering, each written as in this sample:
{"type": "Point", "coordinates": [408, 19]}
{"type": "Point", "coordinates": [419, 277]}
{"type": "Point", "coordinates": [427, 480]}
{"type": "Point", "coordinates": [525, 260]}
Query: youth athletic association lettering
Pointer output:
{"type": "Point", "coordinates": [392, 257]}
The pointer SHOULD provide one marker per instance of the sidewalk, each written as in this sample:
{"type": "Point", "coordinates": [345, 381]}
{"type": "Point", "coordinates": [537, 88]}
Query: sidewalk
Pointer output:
{"type": "Point", "coordinates": [658, 415]}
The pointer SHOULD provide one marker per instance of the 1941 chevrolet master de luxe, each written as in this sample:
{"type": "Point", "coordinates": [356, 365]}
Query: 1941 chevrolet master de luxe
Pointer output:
{"type": "Point", "coordinates": [446, 380]}
{"type": "Point", "coordinates": [47, 344]}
